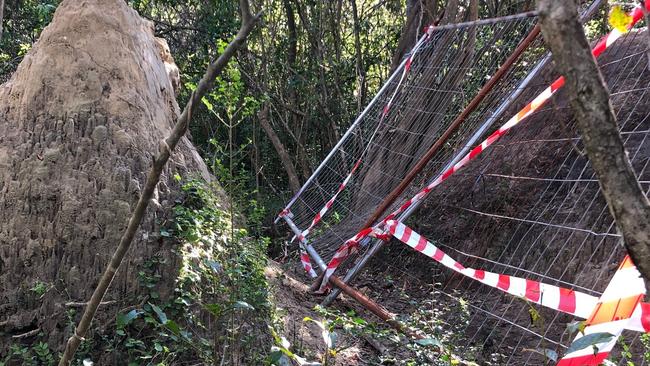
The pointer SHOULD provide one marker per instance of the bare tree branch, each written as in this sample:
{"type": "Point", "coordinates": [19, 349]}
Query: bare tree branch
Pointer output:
{"type": "Point", "coordinates": [597, 125]}
{"type": "Point", "coordinates": [166, 147]}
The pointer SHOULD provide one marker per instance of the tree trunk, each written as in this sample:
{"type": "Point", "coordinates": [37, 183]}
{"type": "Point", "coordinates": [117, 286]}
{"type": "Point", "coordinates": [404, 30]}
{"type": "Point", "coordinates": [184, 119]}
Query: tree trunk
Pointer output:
{"type": "Point", "coordinates": [597, 124]}
{"type": "Point", "coordinates": [418, 14]}
{"type": "Point", "coordinates": [285, 158]}
{"type": "Point", "coordinates": [451, 12]}
{"type": "Point", "coordinates": [78, 127]}
{"type": "Point", "coordinates": [297, 120]}
{"type": "Point", "coordinates": [361, 71]}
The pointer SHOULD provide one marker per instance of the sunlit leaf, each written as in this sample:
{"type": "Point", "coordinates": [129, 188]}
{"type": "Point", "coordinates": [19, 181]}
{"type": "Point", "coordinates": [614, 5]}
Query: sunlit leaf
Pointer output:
{"type": "Point", "coordinates": [207, 104]}
{"type": "Point", "coordinates": [242, 305]}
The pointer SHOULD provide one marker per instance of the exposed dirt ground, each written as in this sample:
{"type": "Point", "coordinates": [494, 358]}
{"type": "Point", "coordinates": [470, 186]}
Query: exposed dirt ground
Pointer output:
{"type": "Point", "coordinates": [294, 303]}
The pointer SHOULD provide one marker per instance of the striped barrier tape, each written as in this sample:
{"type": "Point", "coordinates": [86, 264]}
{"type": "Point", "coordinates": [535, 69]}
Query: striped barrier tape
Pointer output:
{"type": "Point", "coordinates": [304, 256]}
{"type": "Point", "coordinates": [328, 205]}
{"type": "Point", "coordinates": [538, 102]}
{"type": "Point", "coordinates": [615, 301]}
{"type": "Point", "coordinates": [640, 320]}
{"type": "Point", "coordinates": [348, 248]}
{"type": "Point", "coordinates": [306, 263]}
{"type": "Point", "coordinates": [554, 297]}
{"type": "Point", "coordinates": [611, 315]}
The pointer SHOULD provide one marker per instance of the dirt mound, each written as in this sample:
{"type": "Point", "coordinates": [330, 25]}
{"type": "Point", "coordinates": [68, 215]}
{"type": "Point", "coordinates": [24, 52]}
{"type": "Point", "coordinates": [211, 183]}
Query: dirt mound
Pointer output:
{"type": "Point", "coordinates": [79, 123]}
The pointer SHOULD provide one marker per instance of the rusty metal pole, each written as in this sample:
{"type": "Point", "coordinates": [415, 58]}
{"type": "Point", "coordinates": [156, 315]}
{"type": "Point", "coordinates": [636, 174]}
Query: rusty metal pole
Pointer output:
{"type": "Point", "coordinates": [424, 160]}
{"type": "Point", "coordinates": [366, 302]}
{"type": "Point", "coordinates": [587, 14]}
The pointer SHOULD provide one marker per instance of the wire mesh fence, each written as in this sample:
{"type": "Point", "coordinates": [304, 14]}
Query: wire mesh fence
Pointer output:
{"type": "Point", "coordinates": [530, 207]}
{"type": "Point", "coordinates": [442, 77]}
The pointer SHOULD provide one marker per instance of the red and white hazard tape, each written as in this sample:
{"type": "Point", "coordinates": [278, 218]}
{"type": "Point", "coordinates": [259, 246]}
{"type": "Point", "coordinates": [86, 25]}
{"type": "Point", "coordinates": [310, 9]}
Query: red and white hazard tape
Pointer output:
{"type": "Point", "coordinates": [554, 297]}
{"type": "Point", "coordinates": [640, 320]}
{"type": "Point", "coordinates": [348, 248]}
{"type": "Point", "coordinates": [328, 204]}
{"type": "Point", "coordinates": [302, 238]}
{"type": "Point", "coordinates": [529, 109]}
{"type": "Point", "coordinates": [620, 307]}
{"type": "Point", "coordinates": [306, 263]}
{"type": "Point", "coordinates": [621, 300]}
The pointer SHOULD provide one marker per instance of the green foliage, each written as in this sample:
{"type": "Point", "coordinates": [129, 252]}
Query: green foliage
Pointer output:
{"type": "Point", "coordinates": [442, 342]}
{"type": "Point", "coordinates": [645, 341]}
{"type": "Point", "coordinates": [22, 24]}
{"type": "Point", "coordinates": [219, 311]}
{"type": "Point", "coordinates": [281, 353]}
{"type": "Point", "coordinates": [40, 288]}
{"type": "Point", "coordinates": [38, 354]}
{"type": "Point", "coordinates": [628, 357]}
{"type": "Point", "coordinates": [221, 281]}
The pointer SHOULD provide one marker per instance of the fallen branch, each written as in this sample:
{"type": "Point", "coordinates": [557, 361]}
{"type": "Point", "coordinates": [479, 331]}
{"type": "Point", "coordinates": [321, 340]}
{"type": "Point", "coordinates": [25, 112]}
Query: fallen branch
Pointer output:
{"type": "Point", "coordinates": [32, 332]}
{"type": "Point", "coordinates": [166, 147]}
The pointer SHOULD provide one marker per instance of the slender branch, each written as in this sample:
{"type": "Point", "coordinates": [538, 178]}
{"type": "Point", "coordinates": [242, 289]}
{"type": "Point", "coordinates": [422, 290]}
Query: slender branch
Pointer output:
{"type": "Point", "coordinates": [166, 147]}
{"type": "Point", "coordinates": [32, 332]}
{"type": "Point", "coordinates": [73, 304]}
{"type": "Point", "coordinates": [596, 122]}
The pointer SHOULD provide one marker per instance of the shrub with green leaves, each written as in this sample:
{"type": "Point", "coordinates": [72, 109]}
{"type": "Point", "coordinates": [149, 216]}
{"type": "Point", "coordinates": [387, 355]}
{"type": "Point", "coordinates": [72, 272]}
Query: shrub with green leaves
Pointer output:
{"type": "Point", "coordinates": [219, 312]}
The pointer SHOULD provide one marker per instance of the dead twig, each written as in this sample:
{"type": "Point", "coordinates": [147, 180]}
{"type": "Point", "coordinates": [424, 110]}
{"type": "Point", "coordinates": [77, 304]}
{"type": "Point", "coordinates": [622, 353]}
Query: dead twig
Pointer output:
{"type": "Point", "coordinates": [73, 304]}
{"type": "Point", "coordinates": [32, 332]}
